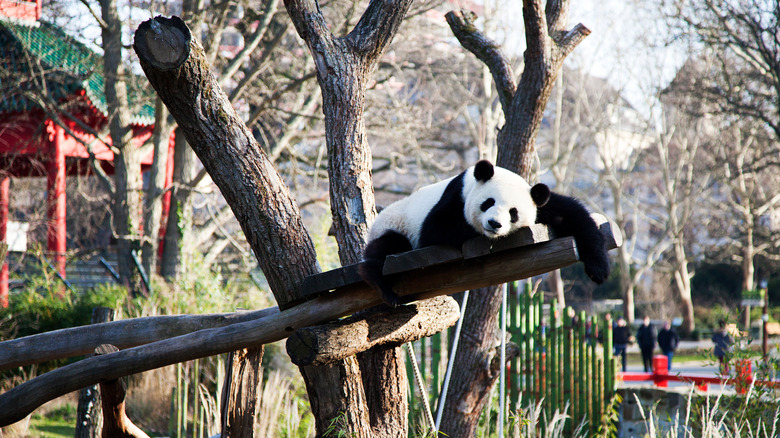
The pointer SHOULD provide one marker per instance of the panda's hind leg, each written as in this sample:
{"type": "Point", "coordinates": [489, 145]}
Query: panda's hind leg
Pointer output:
{"type": "Point", "coordinates": [374, 256]}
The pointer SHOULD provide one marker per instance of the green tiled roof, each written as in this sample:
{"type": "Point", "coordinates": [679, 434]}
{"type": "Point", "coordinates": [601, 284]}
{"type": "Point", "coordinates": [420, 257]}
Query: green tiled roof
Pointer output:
{"type": "Point", "coordinates": [70, 65]}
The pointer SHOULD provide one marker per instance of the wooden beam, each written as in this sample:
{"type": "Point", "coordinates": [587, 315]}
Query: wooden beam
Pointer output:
{"type": "Point", "coordinates": [425, 282]}
{"type": "Point", "coordinates": [80, 341]}
{"type": "Point", "coordinates": [324, 344]}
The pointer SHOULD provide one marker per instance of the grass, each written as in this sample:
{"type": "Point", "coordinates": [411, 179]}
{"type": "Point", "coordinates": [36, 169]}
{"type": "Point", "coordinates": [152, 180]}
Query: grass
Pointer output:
{"type": "Point", "coordinates": [44, 427]}
{"type": "Point", "coordinates": [56, 423]}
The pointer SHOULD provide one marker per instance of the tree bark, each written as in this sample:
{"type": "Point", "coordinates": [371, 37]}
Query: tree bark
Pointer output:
{"type": "Point", "coordinates": [153, 205]}
{"type": "Point", "coordinates": [112, 400]}
{"type": "Point", "coordinates": [127, 160]}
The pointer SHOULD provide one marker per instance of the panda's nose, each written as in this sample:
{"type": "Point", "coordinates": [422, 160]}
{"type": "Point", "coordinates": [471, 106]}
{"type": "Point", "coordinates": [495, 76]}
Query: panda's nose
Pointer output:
{"type": "Point", "coordinates": [495, 224]}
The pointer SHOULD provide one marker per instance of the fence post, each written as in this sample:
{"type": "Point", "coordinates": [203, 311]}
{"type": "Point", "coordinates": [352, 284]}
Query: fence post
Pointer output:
{"type": "Point", "coordinates": [89, 419]}
{"type": "Point", "coordinates": [514, 330]}
{"type": "Point", "coordinates": [568, 358]}
{"type": "Point", "coordinates": [528, 358]}
{"type": "Point", "coordinates": [553, 353]}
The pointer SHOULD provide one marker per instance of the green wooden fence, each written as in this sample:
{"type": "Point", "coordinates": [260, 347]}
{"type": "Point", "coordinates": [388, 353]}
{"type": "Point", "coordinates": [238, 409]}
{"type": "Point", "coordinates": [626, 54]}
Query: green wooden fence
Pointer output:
{"type": "Point", "coordinates": [565, 362]}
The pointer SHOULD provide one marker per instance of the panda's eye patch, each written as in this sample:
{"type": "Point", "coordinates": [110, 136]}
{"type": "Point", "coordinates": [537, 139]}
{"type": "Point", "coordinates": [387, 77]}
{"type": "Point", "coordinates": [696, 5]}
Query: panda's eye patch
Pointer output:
{"type": "Point", "coordinates": [489, 202]}
{"type": "Point", "coordinates": [513, 215]}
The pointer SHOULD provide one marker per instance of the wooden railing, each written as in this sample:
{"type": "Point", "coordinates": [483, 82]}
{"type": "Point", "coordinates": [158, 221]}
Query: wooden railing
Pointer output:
{"type": "Point", "coordinates": [741, 381]}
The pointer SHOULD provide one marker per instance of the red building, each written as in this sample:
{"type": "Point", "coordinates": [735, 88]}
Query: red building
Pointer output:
{"type": "Point", "coordinates": [52, 106]}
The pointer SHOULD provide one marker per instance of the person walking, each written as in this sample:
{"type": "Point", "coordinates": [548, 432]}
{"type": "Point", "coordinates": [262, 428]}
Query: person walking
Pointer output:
{"type": "Point", "coordinates": [620, 339]}
{"type": "Point", "coordinates": [668, 339]}
{"type": "Point", "coordinates": [722, 341]}
{"type": "Point", "coordinates": [645, 337]}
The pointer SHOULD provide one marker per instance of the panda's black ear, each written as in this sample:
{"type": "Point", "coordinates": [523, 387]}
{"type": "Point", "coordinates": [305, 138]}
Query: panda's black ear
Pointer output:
{"type": "Point", "coordinates": [540, 193]}
{"type": "Point", "coordinates": [483, 170]}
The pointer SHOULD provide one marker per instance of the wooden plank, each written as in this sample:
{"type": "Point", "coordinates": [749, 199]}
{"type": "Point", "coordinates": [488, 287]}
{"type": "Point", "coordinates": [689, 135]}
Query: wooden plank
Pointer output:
{"type": "Point", "coordinates": [525, 236]}
{"type": "Point", "coordinates": [421, 258]}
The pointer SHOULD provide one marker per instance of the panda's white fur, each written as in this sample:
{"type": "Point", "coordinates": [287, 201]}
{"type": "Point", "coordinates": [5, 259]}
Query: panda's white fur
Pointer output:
{"type": "Point", "coordinates": [508, 189]}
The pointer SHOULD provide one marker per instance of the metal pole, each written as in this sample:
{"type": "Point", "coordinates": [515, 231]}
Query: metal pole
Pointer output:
{"type": "Point", "coordinates": [502, 365]}
{"type": "Point", "coordinates": [450, 363]}
{"type": "Point", "coordinates": [764, 319]}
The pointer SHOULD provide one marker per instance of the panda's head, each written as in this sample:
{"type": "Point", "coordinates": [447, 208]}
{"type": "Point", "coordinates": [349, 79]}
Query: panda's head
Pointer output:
{"type": "Point", "coordinates": [498, 201]}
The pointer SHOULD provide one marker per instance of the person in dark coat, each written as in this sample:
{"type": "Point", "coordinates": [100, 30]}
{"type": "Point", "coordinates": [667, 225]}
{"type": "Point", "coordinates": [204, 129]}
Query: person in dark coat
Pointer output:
{"type": "Point", "coordinates": [722, 341]}
{"type": "Point", "coordinates": [645, 337]}
{"type": "Point", "coordinates": [620, 339]}
{"type": "Point", "coordinates": [668, 339]}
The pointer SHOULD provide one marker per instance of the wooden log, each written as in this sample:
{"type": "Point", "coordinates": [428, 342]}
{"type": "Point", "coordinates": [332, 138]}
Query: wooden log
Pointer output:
{"type": "Point", "coordinates": [324, 344]}
{"type": "Point", "coordinates": [426, 282]}
{"type": "Point", "coordinates": [78, 341]}
{"type": "Point", "coordinates": [112, 395]}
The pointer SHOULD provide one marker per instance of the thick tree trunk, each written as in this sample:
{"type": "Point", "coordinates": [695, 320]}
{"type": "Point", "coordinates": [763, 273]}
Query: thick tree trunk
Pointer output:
{"type": "Point", "coordinates": [177, 69]}
{"type": "Point", "coordinates": [153, 205]}
{"type": "Point", "coordinates": [178, 229]}
{"type": "Point", "coordinates": [682, 278]}
{"type": "Point", "coordinates": [127, 161]}
{"type": "Point", "coordinates": [343, 68]}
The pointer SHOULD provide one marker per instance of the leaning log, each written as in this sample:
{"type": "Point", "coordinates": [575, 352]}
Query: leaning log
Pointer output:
{"type": "Point", "coordinates": [324, 344]}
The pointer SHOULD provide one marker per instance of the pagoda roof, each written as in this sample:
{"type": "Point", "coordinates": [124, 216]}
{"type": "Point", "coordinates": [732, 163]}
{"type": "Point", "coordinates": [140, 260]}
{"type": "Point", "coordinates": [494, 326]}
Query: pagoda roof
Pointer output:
{"type": "Point", "coordinates": [69, 66]}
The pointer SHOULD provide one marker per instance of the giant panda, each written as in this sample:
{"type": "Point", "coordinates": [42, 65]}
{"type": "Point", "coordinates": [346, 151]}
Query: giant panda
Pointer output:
{"type": "Point", "coordinates": [483, 200]}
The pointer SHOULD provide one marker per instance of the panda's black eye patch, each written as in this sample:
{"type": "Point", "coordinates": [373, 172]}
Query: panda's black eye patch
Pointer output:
{"type": "Point", "coordinates": [513, 215]}
{"type": "Point", "coordinates": [489, 202]}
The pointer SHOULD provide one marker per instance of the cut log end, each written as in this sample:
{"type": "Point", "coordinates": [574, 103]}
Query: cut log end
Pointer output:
{"type": "Point", "coordinates": [163, 42]}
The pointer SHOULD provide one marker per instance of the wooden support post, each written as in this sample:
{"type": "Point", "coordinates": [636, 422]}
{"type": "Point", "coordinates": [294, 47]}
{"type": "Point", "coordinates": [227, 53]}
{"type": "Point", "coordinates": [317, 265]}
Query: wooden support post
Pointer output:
{"type": "Point", "coordinates": [88, 414]}
{"type": "Point", "coordinates": [112, 394]}
{"type": "Point", "coordinates": [240, 394]}
{"type": "Point", "coordinates": [324, 344]}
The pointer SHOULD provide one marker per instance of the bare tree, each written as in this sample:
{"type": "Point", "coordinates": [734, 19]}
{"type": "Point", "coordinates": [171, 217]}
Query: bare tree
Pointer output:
{"type": "Point", "coordinates": [548, 43]}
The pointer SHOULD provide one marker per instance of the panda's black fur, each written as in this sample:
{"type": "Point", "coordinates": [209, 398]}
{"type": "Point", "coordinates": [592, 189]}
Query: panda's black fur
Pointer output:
{"type": "Point", "coordinates": [436, 215]}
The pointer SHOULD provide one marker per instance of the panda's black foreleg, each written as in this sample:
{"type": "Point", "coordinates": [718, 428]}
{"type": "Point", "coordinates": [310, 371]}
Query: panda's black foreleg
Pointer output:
{"type": "Point", "coordinates": [374, 256]}
{"type": "Point", "coordinates": [568, 217]}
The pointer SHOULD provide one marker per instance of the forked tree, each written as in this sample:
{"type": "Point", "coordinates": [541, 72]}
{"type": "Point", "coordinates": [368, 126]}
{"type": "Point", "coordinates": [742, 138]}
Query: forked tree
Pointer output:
{"type": "Point", "coordinates": [364, 396]}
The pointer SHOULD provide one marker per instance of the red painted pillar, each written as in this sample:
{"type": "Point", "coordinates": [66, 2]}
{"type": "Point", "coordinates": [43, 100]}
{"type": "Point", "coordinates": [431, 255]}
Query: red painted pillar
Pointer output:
{"type": "Point", "coordinates": [5, 186]}
{"type": "Point", "coordinates": [166, 199]}
{"type": "Point", "coordinates": [660, 370]}
{"type": "Point", "coordinates": [56, 232]}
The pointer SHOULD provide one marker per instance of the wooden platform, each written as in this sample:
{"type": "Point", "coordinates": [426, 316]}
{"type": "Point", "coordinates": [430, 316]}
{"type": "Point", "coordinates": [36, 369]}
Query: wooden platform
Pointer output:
{"type": "Point", "coordinates": [480, 262]}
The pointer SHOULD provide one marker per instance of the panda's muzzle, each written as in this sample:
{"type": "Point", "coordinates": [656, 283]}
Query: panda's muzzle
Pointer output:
{"type": "Point", "coordinates": [495, 225]}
